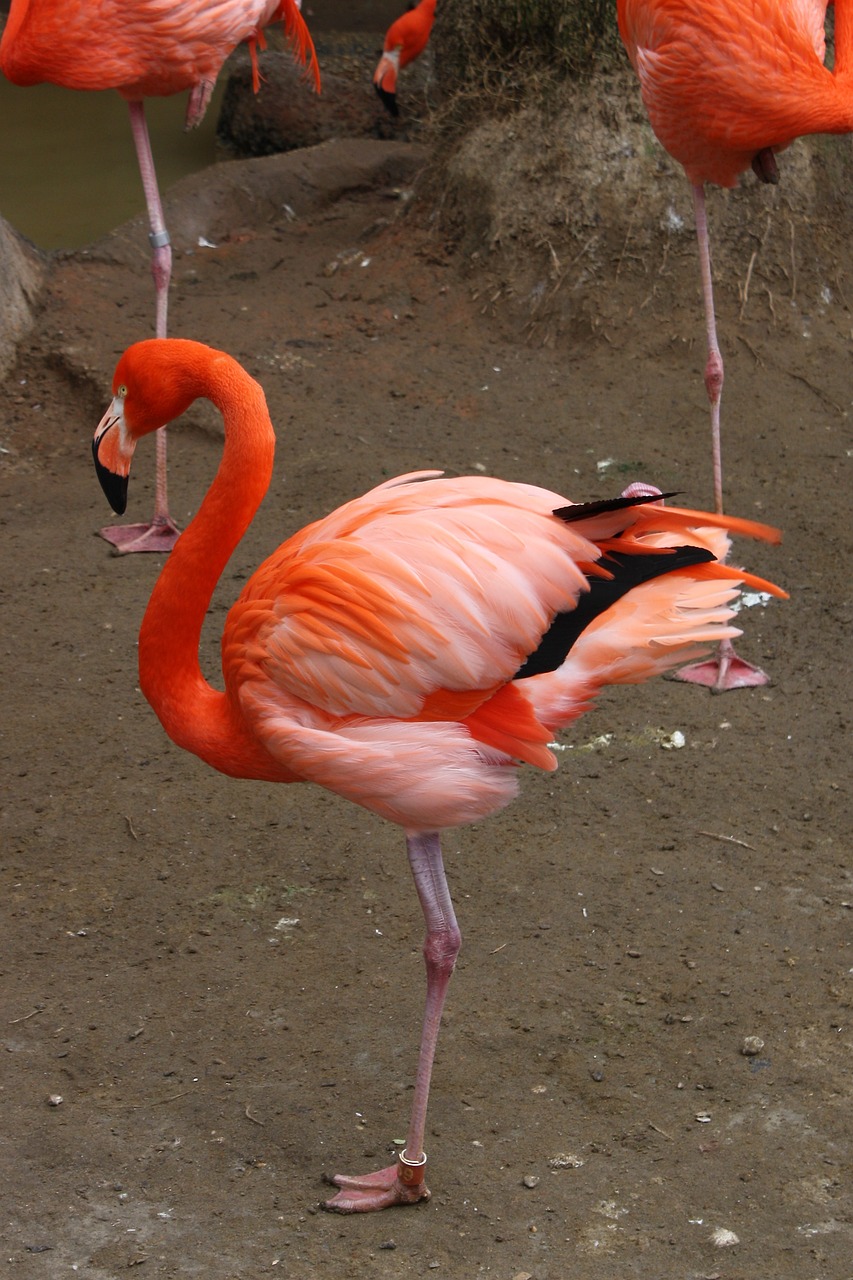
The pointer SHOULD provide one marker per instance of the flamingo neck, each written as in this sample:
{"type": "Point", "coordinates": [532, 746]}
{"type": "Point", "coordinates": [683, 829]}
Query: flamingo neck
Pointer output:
{"type": "Point", "coordinates": [196, 716]}
{"type": "Point", "coordinates": [9, 60]}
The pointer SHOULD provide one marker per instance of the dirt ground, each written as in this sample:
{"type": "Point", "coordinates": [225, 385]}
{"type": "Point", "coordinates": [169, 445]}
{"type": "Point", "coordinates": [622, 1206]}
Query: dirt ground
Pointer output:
{"type": "Point", "coordinates": [212, 989]}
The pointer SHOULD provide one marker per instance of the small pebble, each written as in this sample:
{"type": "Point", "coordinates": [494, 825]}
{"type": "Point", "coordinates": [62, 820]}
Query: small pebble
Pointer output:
{"type": "Point", "coordinates": [565, 1161]}
{"type": "Point", "coordinates": [722, 1237]}
{"type": "Point", "coordinates": [530, 1180]}
{"type": "Point", "coordinates": [55, 1100]}
{"type": "Point", "coordinates": [752, 1046]}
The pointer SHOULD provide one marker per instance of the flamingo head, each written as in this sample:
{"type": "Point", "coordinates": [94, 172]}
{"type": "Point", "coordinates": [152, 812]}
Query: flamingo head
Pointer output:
{"type": "Point", "coordinates": [155, 381]}
{"type": "Point", "coordinates": [112, 448]}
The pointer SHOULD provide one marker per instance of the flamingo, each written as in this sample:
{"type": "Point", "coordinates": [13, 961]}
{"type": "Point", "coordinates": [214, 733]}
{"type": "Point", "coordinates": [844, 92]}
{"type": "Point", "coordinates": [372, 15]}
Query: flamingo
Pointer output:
{"type": "Point", "coordinates": [409, 650]}
{"type": "Point", "coordinates": [144, 48]}
{"type": "Point", "coordinates": [727, 84]}
{"type": "Point", "coordinates": [405, 40]}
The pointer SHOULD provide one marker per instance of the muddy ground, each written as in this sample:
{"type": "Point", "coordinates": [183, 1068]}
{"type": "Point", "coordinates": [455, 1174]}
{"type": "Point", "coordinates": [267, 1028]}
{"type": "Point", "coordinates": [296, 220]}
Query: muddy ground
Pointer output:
{"type": "Point", "coordinates": [212, 989]}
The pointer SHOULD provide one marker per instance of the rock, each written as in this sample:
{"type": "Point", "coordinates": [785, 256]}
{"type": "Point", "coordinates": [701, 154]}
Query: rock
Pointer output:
{"type": "Point", "coordinates": [287, 114]}
{"type": "Point", "coordinates": [565, 1160]}
{"type": "Point", "coordinates": [22, 270]}
{"type": "Point", "coordinates": [563, 210]}
{"type": "Point", "coordinates": [222, 206]}
{"type": "Point", "coordinates": [230, 199]}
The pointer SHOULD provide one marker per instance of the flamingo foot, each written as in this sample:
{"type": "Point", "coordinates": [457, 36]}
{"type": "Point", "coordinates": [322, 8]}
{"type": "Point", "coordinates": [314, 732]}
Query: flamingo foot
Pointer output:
{"type": "Point", "coordinates": [159, 534]}
{"type": "Point", "coordinates": [198, 102]}
{"type": "Point", "coordinates": [400, 1183]}
{"type": "Point", "coordinates": [726, 671]}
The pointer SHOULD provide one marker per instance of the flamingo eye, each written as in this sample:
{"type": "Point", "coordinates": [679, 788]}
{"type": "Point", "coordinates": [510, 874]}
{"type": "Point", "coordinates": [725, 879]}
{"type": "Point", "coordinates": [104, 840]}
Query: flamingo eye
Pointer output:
{"type": "Point", "coordinates": [122, 391]}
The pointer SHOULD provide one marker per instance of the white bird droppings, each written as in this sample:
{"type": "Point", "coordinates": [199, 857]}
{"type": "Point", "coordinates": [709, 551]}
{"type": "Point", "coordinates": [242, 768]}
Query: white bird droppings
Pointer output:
{"type": "Point", "coordinates": [722, 1237]}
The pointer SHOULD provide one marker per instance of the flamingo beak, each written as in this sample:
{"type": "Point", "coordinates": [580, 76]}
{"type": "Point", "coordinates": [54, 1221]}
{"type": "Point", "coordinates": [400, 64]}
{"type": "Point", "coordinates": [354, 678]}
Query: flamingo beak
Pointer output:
{"type": "Point", "coordinates": [112, 449]}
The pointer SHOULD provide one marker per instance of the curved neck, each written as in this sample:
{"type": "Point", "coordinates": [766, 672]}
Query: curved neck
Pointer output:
{"type": "Point", "coordinates": [196, 716]}
{"type": "Point", "coordinates": [8, 52]}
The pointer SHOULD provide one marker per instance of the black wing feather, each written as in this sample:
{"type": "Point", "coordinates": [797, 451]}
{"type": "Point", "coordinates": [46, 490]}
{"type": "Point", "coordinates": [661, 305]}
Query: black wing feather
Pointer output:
{"type": "Point", "coordinates": [628, 571]}
{"type": "Point", "coordinates": [583, 510]}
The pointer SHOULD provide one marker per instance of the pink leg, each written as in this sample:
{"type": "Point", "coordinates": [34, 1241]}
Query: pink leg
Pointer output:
{"type": "Point", "coordinates": [402, 1183]}
{"type": "Point", "coordinates": [714, 366]}
{"type": "Point", "coordinates": [726, 670]}
{"type": "Point", "coordinates": [161, 533]}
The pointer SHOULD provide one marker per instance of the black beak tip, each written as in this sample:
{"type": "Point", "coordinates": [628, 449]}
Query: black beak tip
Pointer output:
{"type": "Point", "coordinates": [389, 100]}
{"type": "Point", "coordinates": [115, 487]}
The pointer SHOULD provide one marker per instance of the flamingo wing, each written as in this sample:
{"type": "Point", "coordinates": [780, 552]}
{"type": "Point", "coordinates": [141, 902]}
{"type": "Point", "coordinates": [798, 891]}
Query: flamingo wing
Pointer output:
{"type": "Point", "coordinates": [383, 651]}
{"type": "Point", "coordinates": [416, 599]}
{"type": "Point", "coordinates": [149, 48]}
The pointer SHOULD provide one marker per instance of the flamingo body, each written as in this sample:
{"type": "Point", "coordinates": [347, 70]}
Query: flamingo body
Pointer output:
{"type": "Point", "coordinates": [405, 40]}
{"type": "Point", "coordinates": [411, 649]}
{"type": "Point", "coordinates": [144, 48]}
{"type": "Point", "coordinates": [727, 84]}
{"type": "Point", "coordinates": [724, 81]}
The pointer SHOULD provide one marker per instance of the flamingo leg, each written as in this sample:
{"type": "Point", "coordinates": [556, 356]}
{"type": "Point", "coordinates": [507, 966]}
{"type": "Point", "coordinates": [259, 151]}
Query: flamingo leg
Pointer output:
{"type": "Point", "coordinates": [402, 1182]}
{"type": "Point", "coordinates": [714, 365]}
{"type": "Point", "coordinates": [726, 670]}
{"type": "Point", "coordinates": [160, 533]}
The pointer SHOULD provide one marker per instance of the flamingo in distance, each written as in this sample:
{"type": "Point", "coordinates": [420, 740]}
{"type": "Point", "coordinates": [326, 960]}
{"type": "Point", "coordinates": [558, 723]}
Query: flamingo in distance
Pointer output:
{"type": "Point", "coordinates": [727, 84]}
{"type": "Point", "coordinates": [144, 48]}
{"type": "Point", "coordinates": [411, 649]}
{"type": "Point", "coordinates": [405, 40]}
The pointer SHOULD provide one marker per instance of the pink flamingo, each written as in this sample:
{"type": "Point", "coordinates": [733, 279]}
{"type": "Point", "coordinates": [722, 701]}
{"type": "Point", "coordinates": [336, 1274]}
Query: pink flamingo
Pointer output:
{"type": "Point", "coordinates": [405, 40]}
{"type": "Point", "coordinates": [409, 650]}
{"type": "Point", "coordinates": [144, 49]}
{"type": "Point", "coordinates": [727, 84]}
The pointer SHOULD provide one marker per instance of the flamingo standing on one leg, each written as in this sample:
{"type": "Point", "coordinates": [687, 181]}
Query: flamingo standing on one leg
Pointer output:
{"type": "Point", "coordinates": [405, 40]}
{"type": "Point", "coordinates": [144, 48]}
{"type": "Point", "coordinates": [409, 650]}
{"type": "Point", "coordinates": [727, 84]}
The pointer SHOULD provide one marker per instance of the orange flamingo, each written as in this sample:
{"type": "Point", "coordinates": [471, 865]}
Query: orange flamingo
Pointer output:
{"type": "Point", "coordinates": [144, 49]}
{"type": "Point", "coordinates": [409, 650]}
{"type": "Point", "coordinates": [727, 84]}
{"type": "Point", "coordinates": [405, 40]}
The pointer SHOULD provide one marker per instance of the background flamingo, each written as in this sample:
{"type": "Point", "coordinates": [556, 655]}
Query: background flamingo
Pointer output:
{"type": "Point", "coordinates": [144, 49]}
{"type": "Point", "coordinates": [409, 650]}
{"type": "Point", "coordinates": [405, 40]}
{"type": "Point", "coordinates": [727, 84]}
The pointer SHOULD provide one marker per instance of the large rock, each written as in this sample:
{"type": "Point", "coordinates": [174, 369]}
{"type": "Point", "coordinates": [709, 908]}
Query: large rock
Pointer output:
{"type": "Point", "coordinates": [562, 210]}
{"type": "Point", "coordinates": [22, 271]}
{"type": "Point", "coordinates": [287, 114]}
{"type": "Point", "coordinates": [102, 297]}
{"type": "Point", "coordinates": [234, 195]}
